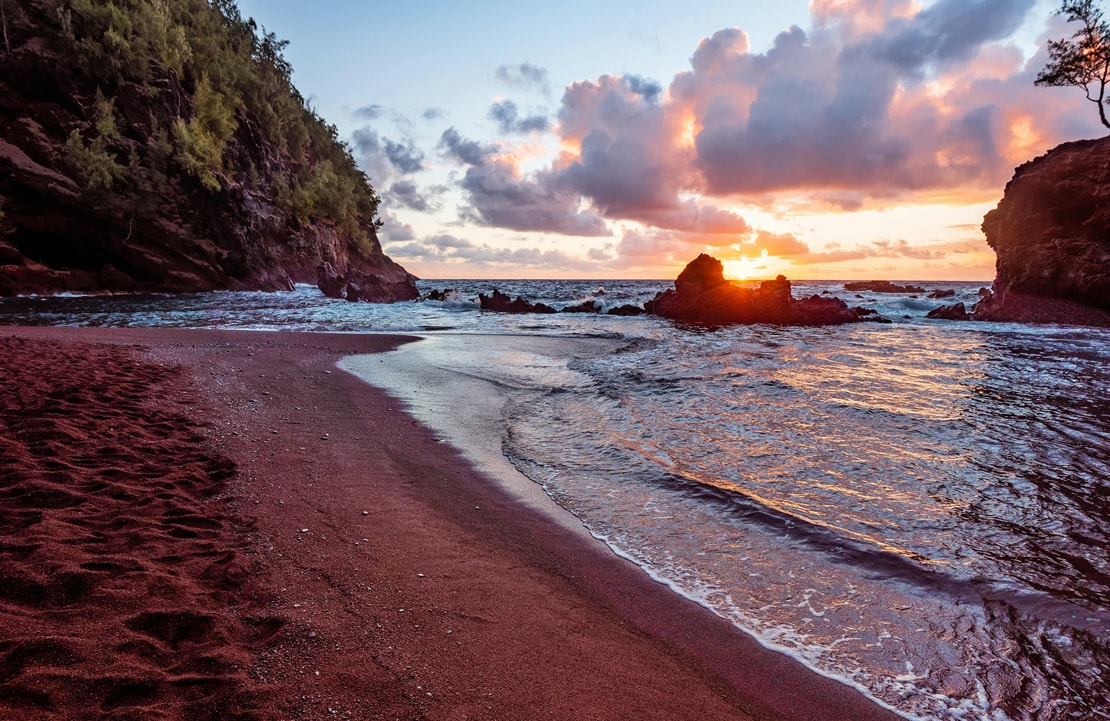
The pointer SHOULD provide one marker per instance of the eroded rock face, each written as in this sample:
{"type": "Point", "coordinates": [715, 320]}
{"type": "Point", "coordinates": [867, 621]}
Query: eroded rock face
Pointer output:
{"type": "Point", "coordinates": [1051, 231]}
{"type": "Point", "coordinates": [371, 287]}
{"type": "Point", "coordinates": [702, 295]}
{"type": "Point", "coordinates": [58, 233]}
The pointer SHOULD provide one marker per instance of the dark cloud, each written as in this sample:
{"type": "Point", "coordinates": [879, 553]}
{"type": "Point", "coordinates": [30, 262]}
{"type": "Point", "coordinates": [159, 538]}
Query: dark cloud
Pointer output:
{"type": "Point", "coordinates": [405, 158]}
{"type": "Point", "coordinates": [525, 75]}
{"type": "Point", "coordinates": [369, 112]}
{"type": "Point", "coordinates": [433, 114]}
{"type": "Point", "coordinates": [497, 196]}
{"type": "Point", "coordinates": [950, 31]}
{"type": "Point", "coordinates": [509, 120]}
{"type": "Point", "coordinates": [405, 192]}
{"type": "Point", "coordinates": [468, 152]}
{"type": "Point", "coordinates": [647, 89]}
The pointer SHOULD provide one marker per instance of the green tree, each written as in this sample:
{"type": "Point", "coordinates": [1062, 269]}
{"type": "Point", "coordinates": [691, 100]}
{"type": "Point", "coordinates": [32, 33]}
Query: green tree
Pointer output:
{"type": "Point", "coordinates": [1083, 60]}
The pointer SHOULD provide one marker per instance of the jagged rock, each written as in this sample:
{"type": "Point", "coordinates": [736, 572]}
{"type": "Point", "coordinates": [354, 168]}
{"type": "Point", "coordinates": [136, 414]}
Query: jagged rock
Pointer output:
{"type": "Point", "coordinates": [702, 295]}
{"type": "Point", "coordinates": [627, 310]}
{"type": "Point", "coordinates": [949, 312]}
{"type": "Point", "coordinates": [939, 294]}
{"type": "Point", "coordinates": [442, 295]}
{"type": "Point", "coordinates": [882, 286]}
{"type": "Point", "coordinates": [501, 303]}
{"type": "Point", "coordinates": [586, 306]}
{"type": "Point", "coordinates": [370, 287]}
{"type": "Point", "coordinates": [1051, 233]}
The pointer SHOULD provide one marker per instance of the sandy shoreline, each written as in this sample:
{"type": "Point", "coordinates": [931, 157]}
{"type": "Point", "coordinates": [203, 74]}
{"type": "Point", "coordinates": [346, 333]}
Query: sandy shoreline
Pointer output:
{"type": "Point", "coordinates": [418, 590]}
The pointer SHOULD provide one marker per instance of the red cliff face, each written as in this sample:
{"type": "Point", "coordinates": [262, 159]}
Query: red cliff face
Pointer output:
{"type": "Point", "coordinates": [150, 224]}
{"type": "Point", "coordinates": [1051, 231]}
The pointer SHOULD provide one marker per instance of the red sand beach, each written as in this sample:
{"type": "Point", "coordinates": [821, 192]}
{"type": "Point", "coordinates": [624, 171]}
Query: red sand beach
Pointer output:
{"type": "Point", "coordinates": [223, 525]}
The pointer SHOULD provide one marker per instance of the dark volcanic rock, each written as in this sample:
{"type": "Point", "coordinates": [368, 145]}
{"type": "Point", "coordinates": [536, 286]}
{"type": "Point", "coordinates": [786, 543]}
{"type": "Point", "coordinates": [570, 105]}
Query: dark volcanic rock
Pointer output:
{"type": "Point", "coordinates": [702, 295]}
{"type": "Point", "coordinates": [627, 310]}
{"type": "Point", "coordinates": [501, 303]}
{"type": "Point", "coordinates": [950, 312]}
{"type": "Point", "coordinates": [586, 306]}
{"type": "Point", "coordinates": [938, 294]}
{"type": "Point", "coordinates": [1051, 232]}
{"type": "Point", "coordinates": [882, 286]}
{"type": "Point", "coordinates": [365, 286]}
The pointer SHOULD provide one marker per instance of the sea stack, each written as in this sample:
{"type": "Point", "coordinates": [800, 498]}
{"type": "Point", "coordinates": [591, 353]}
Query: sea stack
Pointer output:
{"type": "Point", "coordinates": [702, 295]}
{"type": "Point", "coordinates": [1051, 231]}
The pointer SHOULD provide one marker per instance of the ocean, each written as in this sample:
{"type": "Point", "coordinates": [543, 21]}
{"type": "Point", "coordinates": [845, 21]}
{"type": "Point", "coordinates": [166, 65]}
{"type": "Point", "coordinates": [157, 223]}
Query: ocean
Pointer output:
{"type": "Point", "coordinates": [920, 509]}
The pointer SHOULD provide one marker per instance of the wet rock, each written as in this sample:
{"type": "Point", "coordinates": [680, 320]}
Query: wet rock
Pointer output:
{"type": "Point", "coordinates": [939, 294]}
{"type": "Point", "coordinates": [950, 312]}
{"type": "Point", "coordinates": [501, 303]}
{"type": "Point", "coordinates": [882, 286]}
{"type": "Point", "coordinates": [586, 306]}
{"type": "Point", "coordinates": [366, 286]}
{"type": "Point", "coordinates": [702, 295]}
{"type": "Point", "coordinates": [627, 310]}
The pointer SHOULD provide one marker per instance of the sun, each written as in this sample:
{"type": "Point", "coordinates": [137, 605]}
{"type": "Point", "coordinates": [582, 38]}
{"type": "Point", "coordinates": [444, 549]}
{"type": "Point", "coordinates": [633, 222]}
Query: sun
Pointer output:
{"type": "Point", "coordinates": [745, 268]}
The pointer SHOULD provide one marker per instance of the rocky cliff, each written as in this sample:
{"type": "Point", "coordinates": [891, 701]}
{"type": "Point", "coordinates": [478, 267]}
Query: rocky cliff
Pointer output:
{"type": "Point", "coordinates": [161, 146]}
{"type": "Point", "coordinates": [1051, 231]}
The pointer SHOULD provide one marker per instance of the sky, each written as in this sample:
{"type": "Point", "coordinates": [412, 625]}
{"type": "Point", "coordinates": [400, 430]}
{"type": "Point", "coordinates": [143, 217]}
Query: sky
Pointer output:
{"type": "Point", "coordinates": [819, 139]}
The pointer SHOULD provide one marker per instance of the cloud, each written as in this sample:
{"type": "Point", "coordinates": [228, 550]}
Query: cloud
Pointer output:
{"type": "Point", "coordinates": [647, 89]}
{"type": "Point", "coordinates": [406, 193]}
{"type": "Point", "coordinates": [431, 114]}
{"type": "Point", "coordinates": [525, 75]}
{"type": "Point", "coordinates": [369, 112]}
{"type": "Point", "coordinates": [509, 120]}
{"type": "Point", "coordinates": [393, 230]}
{"type": "Point", "coordinates": [447, 249]}
{"type": "Point", "coordinates": [468, 152]}
{"type": "Point", "coordinates": [499, 197]}
{"type": "Point", "coordinates": [783, 245]}
{"type": "Point", "coordinates": [405, 158]}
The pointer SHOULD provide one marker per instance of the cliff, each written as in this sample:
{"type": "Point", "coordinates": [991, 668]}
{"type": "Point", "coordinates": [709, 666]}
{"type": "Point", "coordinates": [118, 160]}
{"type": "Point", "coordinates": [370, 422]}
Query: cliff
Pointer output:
{"type": "Point", "coordinates": [162, 147]}
{"type": "Point", "coordinates": [1051, 232]}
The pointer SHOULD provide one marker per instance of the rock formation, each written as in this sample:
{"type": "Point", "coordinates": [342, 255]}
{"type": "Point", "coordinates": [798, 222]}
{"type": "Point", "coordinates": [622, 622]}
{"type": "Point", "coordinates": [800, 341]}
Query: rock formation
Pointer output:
{"type": "Point", "coordinates": [1051, 232]}
{"type": "Point", "coordinates": [956, 311]}
{"type": "Point", "coordinates": [501, 303]}
{"type": "Point", "coordinates": [702, 295]}
{"type": "Point", "coordinates": [359, 285]}
{"type": "Point", "coordinates": [882, 286]}
{"type": "Point", "coordinates": [130, 171]}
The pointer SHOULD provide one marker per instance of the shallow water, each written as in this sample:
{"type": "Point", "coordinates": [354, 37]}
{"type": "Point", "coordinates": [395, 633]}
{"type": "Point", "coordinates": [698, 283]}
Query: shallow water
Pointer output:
{"type": "Point", "coordinates": [920, 509]}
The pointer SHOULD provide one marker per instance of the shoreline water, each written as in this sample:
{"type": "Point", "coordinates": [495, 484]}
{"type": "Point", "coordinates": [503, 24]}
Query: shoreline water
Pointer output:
{"type": "Point", "coordinates": [537, 614]}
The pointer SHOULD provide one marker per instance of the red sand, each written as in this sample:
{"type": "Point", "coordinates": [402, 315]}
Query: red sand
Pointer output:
{"type": "Point", "coordinates": [222, 525]}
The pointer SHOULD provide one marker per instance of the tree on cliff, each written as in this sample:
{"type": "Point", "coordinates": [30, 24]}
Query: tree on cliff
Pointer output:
{"type": "Point", "coordinates": [1083, 60]}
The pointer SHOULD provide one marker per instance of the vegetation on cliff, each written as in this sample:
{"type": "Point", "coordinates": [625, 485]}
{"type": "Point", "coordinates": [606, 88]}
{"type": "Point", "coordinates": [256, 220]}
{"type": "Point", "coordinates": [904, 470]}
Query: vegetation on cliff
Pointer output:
{"type": "Point", "coordinates": [171, 123]}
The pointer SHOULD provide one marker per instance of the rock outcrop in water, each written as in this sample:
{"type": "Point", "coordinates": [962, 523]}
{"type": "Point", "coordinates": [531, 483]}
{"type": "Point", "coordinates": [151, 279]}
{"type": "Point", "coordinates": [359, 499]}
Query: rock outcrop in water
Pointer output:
{"type": "Point", "coordinates": [380, 287]}
{"type": "Point", "coordinates": [882, 286]}
{"type": "Point", "coordinates": [1051, 231]}
{"type": "Point", "coordinates": [162, 147]}
{"type": "Point", "coordinates": [501, 303]}
{"type": "Point", "coordinates": [702, 295]}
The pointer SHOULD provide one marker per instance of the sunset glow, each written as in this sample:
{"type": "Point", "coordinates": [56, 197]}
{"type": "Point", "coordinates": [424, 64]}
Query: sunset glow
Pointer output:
{"type": "Point", "coordinates": [860, 138]}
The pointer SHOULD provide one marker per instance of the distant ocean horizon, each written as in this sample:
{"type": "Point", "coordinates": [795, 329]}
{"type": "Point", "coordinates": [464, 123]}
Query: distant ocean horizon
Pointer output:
{"type": "Point", "coordinates": [920, 509]}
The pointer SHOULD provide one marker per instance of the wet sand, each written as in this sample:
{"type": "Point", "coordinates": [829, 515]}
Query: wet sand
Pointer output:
{"type": "Point", "coordinates": [224, 525]}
